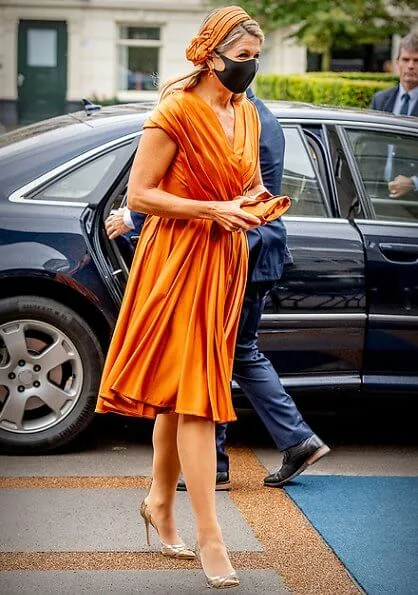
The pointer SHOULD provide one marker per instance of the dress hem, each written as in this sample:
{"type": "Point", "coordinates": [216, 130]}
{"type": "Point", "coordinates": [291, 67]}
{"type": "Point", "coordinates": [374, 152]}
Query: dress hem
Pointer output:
{"type": "Point", "coordinates": [166, 412]}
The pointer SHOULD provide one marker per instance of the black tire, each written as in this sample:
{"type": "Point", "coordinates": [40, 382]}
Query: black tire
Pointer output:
{"type": "Point", "coordinates": [46, 327]}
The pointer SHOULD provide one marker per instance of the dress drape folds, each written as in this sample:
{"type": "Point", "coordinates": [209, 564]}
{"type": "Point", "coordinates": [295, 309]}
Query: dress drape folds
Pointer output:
{"type": "Point", "coordinates": [173, 345]}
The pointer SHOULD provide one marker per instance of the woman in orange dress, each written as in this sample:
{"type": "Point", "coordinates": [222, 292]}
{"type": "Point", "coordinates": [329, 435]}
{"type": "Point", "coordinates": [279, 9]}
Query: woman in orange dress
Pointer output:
{"type": "Point", "coordinates": [172, 350]}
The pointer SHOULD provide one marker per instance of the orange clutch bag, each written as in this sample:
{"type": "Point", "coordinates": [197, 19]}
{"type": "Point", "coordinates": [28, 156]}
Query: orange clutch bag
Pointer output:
{"type": "Point", "coordinates": [267, 207]}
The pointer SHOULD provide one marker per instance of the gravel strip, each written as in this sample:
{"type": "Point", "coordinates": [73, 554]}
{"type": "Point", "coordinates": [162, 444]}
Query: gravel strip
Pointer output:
{"type": "Point", "coordinates": [292, 546]}
{"type": "Point", "coordinates": [74, 482]}
{"type": "Point", "coordinates": [116, 561]}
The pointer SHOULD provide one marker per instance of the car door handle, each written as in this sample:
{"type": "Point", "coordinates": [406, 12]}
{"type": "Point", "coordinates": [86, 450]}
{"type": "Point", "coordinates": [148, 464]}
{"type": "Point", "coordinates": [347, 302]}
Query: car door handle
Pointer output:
{"type": "Point", "coordinates": [400, 252]}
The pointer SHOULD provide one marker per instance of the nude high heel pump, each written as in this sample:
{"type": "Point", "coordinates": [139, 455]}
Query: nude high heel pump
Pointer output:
{"type": "Point", "coordinates": [219, 582]}
{"type": "Point", "coordinates": [172, 550]}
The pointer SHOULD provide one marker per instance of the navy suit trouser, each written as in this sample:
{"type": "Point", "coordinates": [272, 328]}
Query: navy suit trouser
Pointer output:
{"type": "Point", "coordinates": [260, 383]}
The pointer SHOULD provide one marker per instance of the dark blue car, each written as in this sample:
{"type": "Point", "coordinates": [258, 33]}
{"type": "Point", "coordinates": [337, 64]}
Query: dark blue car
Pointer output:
{"type": "Point", "coordinates": [344, 315]}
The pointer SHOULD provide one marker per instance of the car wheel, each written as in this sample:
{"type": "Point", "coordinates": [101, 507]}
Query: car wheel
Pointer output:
{"type": "Point", "coordinates": [50, 364]}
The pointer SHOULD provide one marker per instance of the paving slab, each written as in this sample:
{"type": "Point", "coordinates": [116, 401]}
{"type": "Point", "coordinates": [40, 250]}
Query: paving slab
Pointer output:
{"type": "Point", "coordinates": [102, 520]}
{"type": "Point", "coordinates": [354, 460]}
{"type": "Point", "coordinates": [181, 582]}
{"type": "Point", "coordinates": [120, 460]}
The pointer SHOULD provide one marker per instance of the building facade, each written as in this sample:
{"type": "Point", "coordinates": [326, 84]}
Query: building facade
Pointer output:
{"type": "Point", "coordinates": [53, 53]}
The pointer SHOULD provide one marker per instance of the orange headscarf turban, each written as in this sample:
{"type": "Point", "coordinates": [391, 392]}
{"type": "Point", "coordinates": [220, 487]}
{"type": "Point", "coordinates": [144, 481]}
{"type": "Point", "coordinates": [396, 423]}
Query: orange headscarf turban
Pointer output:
{"type": "Point", "coordinates": [213, 31]}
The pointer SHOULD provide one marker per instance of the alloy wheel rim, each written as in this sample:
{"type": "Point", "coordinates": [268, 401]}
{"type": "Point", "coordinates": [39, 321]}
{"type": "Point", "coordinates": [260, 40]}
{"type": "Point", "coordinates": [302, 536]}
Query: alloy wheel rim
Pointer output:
{"type": "Point", "coordinates": [41, 376]}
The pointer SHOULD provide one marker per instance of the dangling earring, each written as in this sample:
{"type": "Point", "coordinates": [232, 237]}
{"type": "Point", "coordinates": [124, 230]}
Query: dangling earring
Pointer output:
{"type": "Point", "coordinates": [210, 68]}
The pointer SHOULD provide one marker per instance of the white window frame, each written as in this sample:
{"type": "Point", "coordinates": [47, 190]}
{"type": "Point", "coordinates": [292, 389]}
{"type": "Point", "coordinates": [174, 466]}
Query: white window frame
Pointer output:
{"type": "Point", "coordinates": [132, 95]}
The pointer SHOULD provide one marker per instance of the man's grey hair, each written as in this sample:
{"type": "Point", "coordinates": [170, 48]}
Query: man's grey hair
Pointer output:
{"type": "Point", "coordinates": [409, 43]}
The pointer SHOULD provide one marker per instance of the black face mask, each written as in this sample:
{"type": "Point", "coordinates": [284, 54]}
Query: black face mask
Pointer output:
{"type": "Point", "coordinates": [237, 76]}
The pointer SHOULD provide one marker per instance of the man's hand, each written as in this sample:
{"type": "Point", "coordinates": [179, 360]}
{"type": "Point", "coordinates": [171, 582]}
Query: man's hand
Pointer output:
{"type": "Point", "coordinates": [115, 225]}
{"type": "Point", "coordinates": [399, 186]}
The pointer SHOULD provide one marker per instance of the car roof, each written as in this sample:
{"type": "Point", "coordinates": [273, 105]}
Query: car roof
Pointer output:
{"type": "Point", "coordinates": [320, 113]}
{"type": "Point", "coordinates": [281, 109]}
{"type": "Point", "coordinates": [28, 152]}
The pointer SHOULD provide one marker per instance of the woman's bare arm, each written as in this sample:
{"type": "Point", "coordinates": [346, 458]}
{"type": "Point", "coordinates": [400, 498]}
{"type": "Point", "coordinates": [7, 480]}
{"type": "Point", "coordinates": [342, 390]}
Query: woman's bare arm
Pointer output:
{"type": "Point", "coordinates": [154, 156]}
{"type": "Point", "coordinates": [258, 186]}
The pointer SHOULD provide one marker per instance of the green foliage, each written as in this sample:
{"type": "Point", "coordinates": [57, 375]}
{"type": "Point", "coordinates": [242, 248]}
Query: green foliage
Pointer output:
{"type": "Point", "coordinates": [323, 90]}
{"type": "Point", "coordinates": [321, 25]}
{"type": "Point", "coordinates": [360, 76]}
{"type": "Point", "coordinates": [104, 101]}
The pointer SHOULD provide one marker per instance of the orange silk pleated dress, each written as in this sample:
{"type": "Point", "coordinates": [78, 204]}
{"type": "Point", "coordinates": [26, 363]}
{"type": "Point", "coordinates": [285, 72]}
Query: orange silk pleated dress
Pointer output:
{"type": "Point", "coordinates": [173, 345]}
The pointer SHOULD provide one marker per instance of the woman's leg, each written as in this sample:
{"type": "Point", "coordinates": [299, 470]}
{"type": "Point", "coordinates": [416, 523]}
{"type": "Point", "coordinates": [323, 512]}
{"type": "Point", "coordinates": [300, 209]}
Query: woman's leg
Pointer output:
{"type": "Point", "coordinates": [165, 474]}
{"type": "Point", "coordinates": [196, 448]}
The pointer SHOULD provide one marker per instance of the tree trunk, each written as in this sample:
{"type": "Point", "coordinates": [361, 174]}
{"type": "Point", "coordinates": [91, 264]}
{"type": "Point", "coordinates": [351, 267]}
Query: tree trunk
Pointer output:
{"type": "Point", "coordinates": [326, 61]}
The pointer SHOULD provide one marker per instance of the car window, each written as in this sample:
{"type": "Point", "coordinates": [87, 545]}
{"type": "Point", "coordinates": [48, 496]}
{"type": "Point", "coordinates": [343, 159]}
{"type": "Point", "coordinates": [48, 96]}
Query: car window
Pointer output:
{"type": "Point", "coordinates": [349, 202]}
{"type": "Point", "coordinates": [381, 158]}
{"type": "Point", "coordinates": [88, 182]}
{"type": "Point", "coordinates": [301, 177]}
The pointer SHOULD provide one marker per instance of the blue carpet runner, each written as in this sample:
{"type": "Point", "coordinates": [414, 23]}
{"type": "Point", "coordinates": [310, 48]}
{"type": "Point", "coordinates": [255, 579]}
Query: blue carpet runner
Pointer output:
{"type": "Point", "coordinates": [371, 523]}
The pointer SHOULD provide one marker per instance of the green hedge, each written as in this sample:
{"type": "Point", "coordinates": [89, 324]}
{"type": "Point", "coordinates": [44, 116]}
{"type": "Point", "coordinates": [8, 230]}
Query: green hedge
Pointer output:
{"type": "Point", "coordinates": [360, 76]}
{"type": "Point", "coordinates": [105, 101]}
{"type": "Point", "coordinates": [310, 88]}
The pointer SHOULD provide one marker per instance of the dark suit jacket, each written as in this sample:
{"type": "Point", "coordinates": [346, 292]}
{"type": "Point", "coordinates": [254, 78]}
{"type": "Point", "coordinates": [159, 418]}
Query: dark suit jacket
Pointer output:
{"type": "Point", "coordinates": [138, 220]}
{"type": "Point", "coordinates": [385, 101]}
{"type": "Point", "coordinates": [267, 244]}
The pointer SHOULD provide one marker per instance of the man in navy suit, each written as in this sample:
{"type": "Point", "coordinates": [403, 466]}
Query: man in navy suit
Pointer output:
{"type": "Point", "coordinates": [402, 100]}
{"type": "Point", "coordinates": [252, 370]}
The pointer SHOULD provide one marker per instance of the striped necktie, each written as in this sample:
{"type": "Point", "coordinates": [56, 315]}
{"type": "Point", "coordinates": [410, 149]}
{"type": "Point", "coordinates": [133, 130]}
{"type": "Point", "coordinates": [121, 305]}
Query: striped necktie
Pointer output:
{"type": "Point", "coordinates": [405, 104]}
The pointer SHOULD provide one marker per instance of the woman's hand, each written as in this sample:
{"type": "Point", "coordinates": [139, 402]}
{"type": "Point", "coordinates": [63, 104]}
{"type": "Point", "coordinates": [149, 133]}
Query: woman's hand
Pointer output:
{"type": "Point", "coordinates": [230, 215]}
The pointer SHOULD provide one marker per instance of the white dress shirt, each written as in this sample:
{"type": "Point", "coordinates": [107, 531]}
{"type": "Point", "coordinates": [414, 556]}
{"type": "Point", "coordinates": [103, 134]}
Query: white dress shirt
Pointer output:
{"type": "Point", "coordinates": [127, 218]}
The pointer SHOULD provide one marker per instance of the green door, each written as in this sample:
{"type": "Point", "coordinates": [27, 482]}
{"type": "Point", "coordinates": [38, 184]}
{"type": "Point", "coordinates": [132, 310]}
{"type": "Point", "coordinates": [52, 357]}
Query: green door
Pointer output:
{"type": "Point", "coordinates": [42, 70]}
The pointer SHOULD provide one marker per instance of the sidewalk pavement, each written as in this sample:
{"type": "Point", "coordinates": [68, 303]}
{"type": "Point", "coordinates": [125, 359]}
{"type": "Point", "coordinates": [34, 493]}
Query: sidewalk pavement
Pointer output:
{"type": "Point", "coordinates": [70, 524]}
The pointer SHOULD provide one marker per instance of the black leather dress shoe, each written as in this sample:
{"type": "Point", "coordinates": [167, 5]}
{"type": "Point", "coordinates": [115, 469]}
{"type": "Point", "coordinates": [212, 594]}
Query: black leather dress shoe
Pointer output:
{"type": "Point", "coordinates": [296, 459]}
{"type": "Point", "coordinates": [222, 482]}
